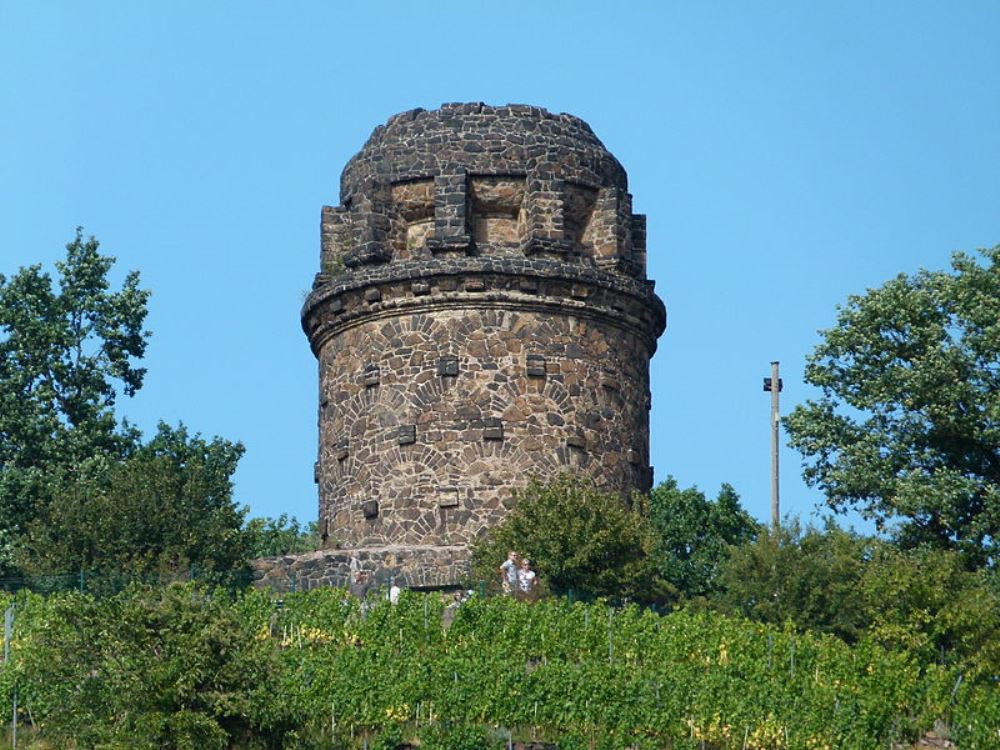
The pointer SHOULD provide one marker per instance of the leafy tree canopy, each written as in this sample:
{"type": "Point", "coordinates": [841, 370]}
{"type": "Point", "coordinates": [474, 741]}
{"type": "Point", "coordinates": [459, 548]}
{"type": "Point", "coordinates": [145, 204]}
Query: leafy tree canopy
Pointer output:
{"type": "Point", "coordinates": [78, 489]}
{"type": "Point", "coordinates": [579, 539]}
{"type": "Point", "coordinates": [925, 602]}
{"type": "Point", "coordinates": [66, 352]}
{"type": "Point", "coordinates": [166, 508]}
{"type": "Point", "coordinates": [270, 537]}
{"type": "Point", "coordinates": [920, 601]}
{"type": "Point", "coordinates": [907, 430]}
{"type": "Point", "coordinates": [693, 534]}
{"type": "Point", "coordinates": [810, 578]}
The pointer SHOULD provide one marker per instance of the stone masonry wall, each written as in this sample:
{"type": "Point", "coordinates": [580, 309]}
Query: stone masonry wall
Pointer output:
{"type": "Point", "coordinates": [409, 567]}
{"type": "Point", "coordinates": [481, 316]}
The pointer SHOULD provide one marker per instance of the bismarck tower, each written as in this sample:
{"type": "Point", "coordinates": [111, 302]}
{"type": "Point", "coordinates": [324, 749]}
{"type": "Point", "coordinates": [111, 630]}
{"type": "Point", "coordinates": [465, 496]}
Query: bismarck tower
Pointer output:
{"type": "Point", "coordinates": [482, 316]}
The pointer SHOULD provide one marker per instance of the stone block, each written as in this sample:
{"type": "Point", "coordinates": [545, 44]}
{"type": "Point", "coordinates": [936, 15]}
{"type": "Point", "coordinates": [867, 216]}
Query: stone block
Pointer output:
{"type": "Point", "coordinates": [448, 497]}
{"type": "Point", "coordinates": [535, 366]}
{"type": "Point", "coordinates": [407, 434]}
{"type": "Point", "coordinates": [448, 366]}
{"type": "Point", "coordinates": [492, 429]}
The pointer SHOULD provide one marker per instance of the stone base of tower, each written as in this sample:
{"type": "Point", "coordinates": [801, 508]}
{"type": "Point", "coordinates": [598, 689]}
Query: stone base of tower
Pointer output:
{"type": "Point", "coordinates": [418, 567]}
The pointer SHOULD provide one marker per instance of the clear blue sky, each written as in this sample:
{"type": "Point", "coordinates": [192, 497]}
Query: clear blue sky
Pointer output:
{"type": "Point", "coordinates": [787, 155]}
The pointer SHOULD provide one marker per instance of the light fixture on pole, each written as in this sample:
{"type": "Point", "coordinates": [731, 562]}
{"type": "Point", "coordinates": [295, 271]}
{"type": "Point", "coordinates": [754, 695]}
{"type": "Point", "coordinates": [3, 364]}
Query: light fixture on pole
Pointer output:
{"type": "Point", "coordinates": [773, 385]}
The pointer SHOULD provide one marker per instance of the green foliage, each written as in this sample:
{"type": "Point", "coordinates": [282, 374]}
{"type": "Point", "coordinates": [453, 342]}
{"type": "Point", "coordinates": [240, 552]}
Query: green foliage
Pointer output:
{"type": "Point", "coordinates": [922, 602]}
{"type": "Point", "coordinates": [579, 539]}
{"type": "Point", "coordinates": [926, 603]}
{"type": "Point", "coordinates": [78, 490]}
{"type": "Point", "coordinates": [807, 578]}
{"type": "Point", "coordinates": [270, 537]}
{"type": "Point", "coordinates": [165, 508]}
{"type": "Point", "coordinates": [693, 534]}
{"type": "Point", "coordinates": [177, 667]}
{"type": "Point", "coordinates": [908, 424]}
{"type": "Point", "coordinates": [65, 355]}
{"type": "Point", "coordinates": [186, 667]}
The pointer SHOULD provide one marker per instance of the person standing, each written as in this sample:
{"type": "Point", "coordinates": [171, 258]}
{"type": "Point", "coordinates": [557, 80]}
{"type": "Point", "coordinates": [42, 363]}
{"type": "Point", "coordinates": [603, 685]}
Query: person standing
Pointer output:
{"type": "Point", "coordinates": [508, 573]}
{"type": "Point", "coordinates": [526, 578]}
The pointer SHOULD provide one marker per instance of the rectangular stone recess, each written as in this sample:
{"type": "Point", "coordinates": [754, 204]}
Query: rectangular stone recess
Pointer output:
{"type": "Point", "coordinates": [341, 451]}
{"type": "Point", "coordinates": [492, 428]}
{"type": "Point", "coordinates": [372, 375]}
{"type": "Point", "coordinates": [448, 365]}
{"type": "Point", "coordinates": [632, 456]}
{"type": "Point", "coordinates": [407, 434]}
{"type": "Point", "coordinates": [447, 497]}
{"type": "Point", "coordinates": [370, 508]}
{"type": "Point", "coordinates": [372, 295]}
{"type": "Point", "coordinates": [576, 441]}
{"type": "Point", "coordinates": [536, 366]}
{"type": "Point", "coordinates": [420, 287]}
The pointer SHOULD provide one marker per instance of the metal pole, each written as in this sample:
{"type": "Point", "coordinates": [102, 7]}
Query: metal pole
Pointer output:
{"type": "Point", "coordinates": [8, 631]}
{"type": "Point", "coordinates": [775, 426]}
{"type": "Point", "coordinates": [8, 636]}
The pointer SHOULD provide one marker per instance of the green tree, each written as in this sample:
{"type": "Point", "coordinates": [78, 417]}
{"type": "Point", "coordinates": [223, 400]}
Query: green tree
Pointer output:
{"type": "Point", "coordinates": [270, 537]}
{"type": "Point", "coordinates": [924, 601]}
{"type": "Point", "coordinates": [810, 578]}
{"type": "Point", "coordinates": [66, 353]}
{"type": "Point", "coordinates": [694, 534]}
{"type": "Point", "coordinates": [166, 508]}
{"type": "Point", "coordinates": [177, 667]}
{"type": "Point", "coordinates": [908, 426]}
{"type": "Point", "coordinates": [579, 539]}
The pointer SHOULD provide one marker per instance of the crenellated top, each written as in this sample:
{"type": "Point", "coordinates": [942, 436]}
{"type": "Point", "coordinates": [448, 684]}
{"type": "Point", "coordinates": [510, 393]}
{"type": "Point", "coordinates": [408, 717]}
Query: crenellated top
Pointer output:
{"type": "Point", "coordinates": [476, 180]}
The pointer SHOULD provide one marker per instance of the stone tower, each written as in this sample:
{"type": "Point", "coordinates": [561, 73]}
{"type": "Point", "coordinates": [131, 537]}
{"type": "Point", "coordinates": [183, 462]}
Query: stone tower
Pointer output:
{"type": "Point", "coordinates": [482, 315]}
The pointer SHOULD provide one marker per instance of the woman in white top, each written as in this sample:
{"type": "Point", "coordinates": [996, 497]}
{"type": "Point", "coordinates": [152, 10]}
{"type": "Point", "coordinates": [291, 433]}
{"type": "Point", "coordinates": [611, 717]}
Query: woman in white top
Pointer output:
{"type": "Point", "coordinates": [526, 577]}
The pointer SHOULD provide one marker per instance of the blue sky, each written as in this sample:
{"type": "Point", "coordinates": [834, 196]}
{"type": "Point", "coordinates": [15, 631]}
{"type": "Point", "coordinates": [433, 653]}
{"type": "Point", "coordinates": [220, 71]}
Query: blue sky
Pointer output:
{"type": "Point", "coordinates": [787, 155]}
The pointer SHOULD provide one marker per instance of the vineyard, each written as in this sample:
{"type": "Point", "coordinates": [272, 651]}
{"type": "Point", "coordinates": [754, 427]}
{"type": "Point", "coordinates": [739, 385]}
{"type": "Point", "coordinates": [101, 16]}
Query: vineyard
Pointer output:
{"type": "Point", "coordinates": [186, 667]}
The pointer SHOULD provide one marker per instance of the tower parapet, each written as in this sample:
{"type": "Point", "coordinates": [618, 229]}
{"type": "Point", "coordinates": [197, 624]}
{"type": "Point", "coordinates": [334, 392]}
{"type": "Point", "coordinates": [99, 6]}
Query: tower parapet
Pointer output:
{"type": "Point", "coordinates": [481, 316]}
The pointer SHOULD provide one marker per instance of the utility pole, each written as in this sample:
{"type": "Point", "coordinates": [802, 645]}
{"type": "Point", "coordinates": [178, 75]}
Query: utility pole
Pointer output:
{"type": "Point", "coordinates": [773, 384]}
